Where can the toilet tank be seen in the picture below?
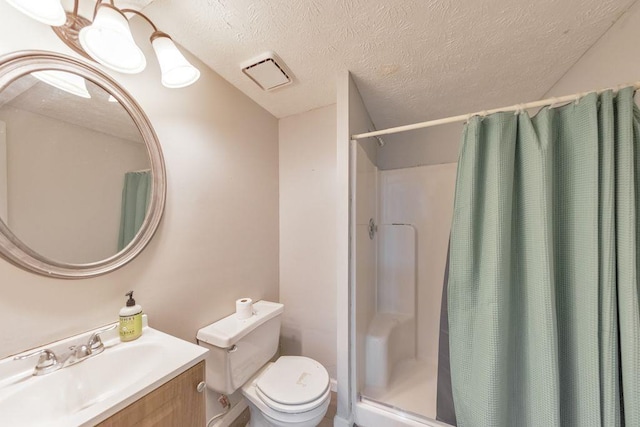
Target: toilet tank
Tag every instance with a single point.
(239, 348)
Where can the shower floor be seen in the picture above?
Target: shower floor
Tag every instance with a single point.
(412, 388)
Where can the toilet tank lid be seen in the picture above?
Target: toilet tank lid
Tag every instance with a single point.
(228, 331)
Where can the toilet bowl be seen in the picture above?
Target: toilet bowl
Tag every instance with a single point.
(293, 391)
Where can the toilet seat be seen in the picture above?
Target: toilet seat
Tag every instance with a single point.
(294, 409)
(277, 418)
(306, 414)
(293, 384)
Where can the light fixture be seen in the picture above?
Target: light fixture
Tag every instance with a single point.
(176, 71)
(108, 40)
(68, 82)
(48, 12)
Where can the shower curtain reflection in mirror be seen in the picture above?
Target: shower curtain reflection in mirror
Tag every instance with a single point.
(135, 200)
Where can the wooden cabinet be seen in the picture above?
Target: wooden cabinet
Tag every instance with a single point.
(175, 403)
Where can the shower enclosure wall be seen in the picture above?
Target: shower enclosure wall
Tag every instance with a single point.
(401, 221)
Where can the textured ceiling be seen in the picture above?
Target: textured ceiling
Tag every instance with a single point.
(412, 60)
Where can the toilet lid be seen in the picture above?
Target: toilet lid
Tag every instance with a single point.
(294, 380)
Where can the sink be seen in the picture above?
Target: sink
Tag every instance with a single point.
(96, 388)
(39, 400)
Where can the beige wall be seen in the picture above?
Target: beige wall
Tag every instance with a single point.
(430, 146)
(218, 239)
(307, 235)
(65, 185)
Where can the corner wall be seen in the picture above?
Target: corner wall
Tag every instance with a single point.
(352, 117)
(307, 168)
(218, 239)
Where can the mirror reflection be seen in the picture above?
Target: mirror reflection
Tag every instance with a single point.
(74, 169)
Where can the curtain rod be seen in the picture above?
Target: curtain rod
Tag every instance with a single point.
(465, 117)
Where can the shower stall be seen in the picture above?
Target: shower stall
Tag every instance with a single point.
(391, 268)
(400, 221)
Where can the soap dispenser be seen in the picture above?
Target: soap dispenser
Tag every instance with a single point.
(130, 319)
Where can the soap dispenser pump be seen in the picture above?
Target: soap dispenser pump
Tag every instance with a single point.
(130, 319)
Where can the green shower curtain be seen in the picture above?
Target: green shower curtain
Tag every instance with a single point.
(135, 199)
(544, 311)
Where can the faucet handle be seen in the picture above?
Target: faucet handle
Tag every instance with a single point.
(81, 351)
(95, 344)
(47, 362)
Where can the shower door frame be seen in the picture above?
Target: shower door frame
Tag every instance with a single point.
(350, 408)
(366, 412)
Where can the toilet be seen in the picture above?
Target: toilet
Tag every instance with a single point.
(292, 391)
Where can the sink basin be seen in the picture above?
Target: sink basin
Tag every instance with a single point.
(96, 388)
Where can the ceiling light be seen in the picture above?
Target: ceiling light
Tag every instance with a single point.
(68, 82)
(48, 12)
(108, 40)
(176, 71)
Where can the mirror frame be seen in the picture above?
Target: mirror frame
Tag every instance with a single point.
(17, 64)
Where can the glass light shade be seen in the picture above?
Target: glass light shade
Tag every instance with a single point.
(68, 82)
(112, 99)
(108, 40)
(176, 70)
(48, 12)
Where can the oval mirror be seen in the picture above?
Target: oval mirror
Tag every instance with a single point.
(82, 177)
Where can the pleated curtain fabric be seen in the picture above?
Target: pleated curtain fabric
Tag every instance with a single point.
(544, 316)
(135, 200)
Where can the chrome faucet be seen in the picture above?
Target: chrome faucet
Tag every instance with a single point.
(48, 361)
(76, 354)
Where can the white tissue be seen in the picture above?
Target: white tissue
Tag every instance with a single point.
(244, 308)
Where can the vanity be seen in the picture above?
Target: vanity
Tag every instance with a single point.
(177, 402)
(155, 380)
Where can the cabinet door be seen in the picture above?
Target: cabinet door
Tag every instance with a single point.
(175, 403)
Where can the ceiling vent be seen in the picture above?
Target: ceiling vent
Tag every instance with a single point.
(267, 71)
